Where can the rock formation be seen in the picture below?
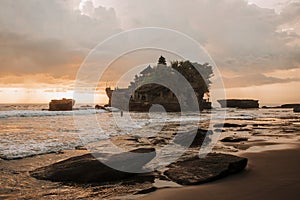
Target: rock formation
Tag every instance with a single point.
(190, 170)
(193, 139)
(166, 86)
(197, 170)
(88, 169)
(297, 109)
(61, 105)
(234, 139)
(239, 103)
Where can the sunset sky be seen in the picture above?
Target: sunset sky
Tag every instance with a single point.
(254, 43)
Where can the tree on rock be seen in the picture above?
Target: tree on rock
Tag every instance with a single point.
(162, 61)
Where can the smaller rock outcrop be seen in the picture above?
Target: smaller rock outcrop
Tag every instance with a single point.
(290, 105)
(190, 170)
(98, 107)
(234, 139)
(197, 170)
(297, 109)
(229, 125)
(239, 103)
(61, 105)
(88, 169)
(193, 138)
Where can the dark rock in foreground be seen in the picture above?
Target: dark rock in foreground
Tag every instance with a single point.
(87, 169)
(190, 170)
(234, 139)
(297, 109)
(197, 170)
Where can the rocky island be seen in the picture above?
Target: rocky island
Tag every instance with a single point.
(61, 105)
(162, 85)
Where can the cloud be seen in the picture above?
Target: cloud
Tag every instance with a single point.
(52, 38)
(49, 37)
(241, 38)
(57, 19)
(34, 81)
(291, 13)
(255, 80)
(23, 55)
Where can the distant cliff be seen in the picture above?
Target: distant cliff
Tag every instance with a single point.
(290, 105)
(239, 103)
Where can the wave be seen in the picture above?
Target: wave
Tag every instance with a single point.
(37, 113)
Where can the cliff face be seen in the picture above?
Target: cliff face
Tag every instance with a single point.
(239, 103)
(61, 105)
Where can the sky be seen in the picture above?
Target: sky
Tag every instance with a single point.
(255, 44)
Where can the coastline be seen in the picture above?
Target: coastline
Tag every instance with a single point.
(258, 136)
(271, 174)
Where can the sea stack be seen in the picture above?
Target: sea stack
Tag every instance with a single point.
(297, 109)
(61, 105)
(239, 103)
(153, 86)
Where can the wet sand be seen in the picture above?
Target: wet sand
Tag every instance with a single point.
(269, 175)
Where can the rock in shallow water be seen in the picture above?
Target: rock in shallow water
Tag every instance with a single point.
(297, 109)
(197, 170)
(234, 139)
(193, 138)
(193, 170)
(87, 169)
(229, 125)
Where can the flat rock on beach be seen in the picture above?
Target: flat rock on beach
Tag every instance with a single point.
(188, 171)
(197, 170)
(88, 169)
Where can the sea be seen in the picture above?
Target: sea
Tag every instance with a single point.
(30, 129)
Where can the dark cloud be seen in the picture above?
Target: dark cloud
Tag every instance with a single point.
(23, 55)
(50, 37)
(57, 19)
(231, 30)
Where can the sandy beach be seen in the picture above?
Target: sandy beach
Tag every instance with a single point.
(269, 175)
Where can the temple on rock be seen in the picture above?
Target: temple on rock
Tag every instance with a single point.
(176, 87)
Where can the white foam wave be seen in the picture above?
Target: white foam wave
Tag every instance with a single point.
(37, 113)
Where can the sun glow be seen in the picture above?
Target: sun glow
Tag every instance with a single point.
(44, 95)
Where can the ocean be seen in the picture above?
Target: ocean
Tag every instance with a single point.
(32, 138)
(28, 130)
